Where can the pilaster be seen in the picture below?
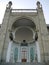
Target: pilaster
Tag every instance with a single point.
(4, 30)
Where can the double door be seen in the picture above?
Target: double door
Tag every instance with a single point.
(24, 53)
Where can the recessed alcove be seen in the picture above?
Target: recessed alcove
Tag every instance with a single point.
(24, 29)
(24, 34)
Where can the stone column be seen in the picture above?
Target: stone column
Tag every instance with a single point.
(37, 47)
(9, 51)
(9, 47)
(38, 52)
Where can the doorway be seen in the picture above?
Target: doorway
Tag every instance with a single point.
(24, 54)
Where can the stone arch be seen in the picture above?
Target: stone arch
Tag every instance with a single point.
(24, 22)
(19, 22)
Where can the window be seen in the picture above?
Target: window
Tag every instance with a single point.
(15, 54)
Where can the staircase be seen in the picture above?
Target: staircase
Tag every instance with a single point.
(24, 63)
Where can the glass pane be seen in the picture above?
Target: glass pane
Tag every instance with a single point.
(31, 54)
(16, 54)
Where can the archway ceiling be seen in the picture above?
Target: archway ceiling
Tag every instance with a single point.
(23, 34)
(23, 22)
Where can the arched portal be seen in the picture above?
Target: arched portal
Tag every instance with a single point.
(23, 47)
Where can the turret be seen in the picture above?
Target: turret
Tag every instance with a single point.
(39, 5)
(9, 5)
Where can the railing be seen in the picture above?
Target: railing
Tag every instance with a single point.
(24, 10)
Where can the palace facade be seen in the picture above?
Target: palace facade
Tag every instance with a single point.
(24, 35)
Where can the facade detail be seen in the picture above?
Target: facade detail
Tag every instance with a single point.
(24, 35)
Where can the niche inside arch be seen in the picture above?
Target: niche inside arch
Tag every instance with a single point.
(24, 34)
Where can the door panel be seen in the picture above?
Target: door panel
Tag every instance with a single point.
(24, 54)
(15, 54)
(31, 54)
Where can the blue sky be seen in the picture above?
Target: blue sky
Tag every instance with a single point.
(25, 4)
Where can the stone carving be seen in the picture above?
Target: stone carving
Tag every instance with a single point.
(11, 36)
(36, 36)
(9, 5)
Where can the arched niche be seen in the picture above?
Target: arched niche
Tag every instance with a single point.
(24, 33)
(23, 29)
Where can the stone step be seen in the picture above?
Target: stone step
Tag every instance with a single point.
(24, 63)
